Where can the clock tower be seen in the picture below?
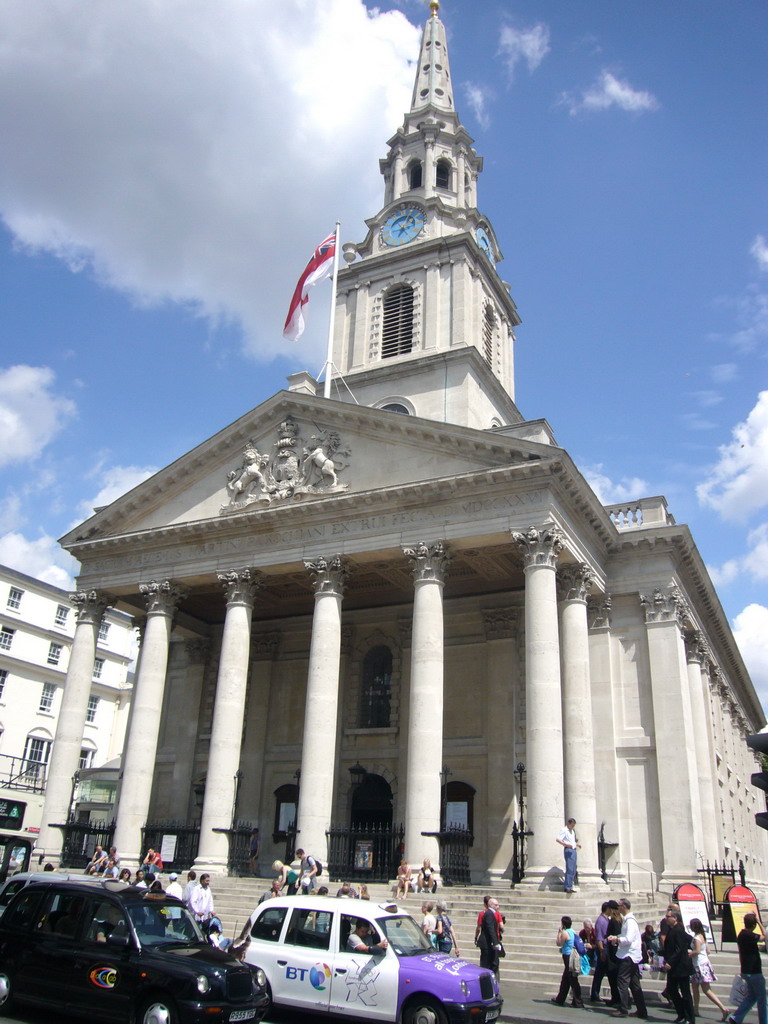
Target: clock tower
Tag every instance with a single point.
(424, 323)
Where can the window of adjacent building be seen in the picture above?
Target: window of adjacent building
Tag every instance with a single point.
(443, 173)
(60, 618)
(376, 688)
(93, 706)
(489, 333)
(54, 653)
(98, 668)
(3, 680)
(14, 598)
(46, 697)
(6, 638)
(414, 174)
(396, 407)
(103, 631)
(86, 758)
(37, 749)
(397, 332)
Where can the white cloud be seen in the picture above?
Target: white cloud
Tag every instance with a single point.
(197, 152)
(753, 564)
(726, 573)
(738, 484)
(528, 44)
(609, 91)
(610, 492)
(30, 413)
(41, 558)
(694, 421)
(707, 398)
(117, 480)
(478, 97)
(760, 251)
(750, 628)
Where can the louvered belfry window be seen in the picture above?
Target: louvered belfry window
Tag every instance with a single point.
(397, 335)
(489, 328)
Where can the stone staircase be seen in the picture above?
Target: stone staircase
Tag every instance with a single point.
(532, 920)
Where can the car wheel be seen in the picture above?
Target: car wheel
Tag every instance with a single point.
(7, 998)
(158, 1010)
(425, 1011)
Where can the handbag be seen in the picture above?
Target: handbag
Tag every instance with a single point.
(739, 989)
(574, 961)
(502, 951)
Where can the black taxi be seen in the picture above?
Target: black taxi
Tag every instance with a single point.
(109, 950)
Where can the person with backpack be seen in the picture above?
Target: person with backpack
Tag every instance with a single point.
(310, 869)
(569, 941)
(446, 937)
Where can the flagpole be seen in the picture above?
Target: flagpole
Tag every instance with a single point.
(332, 318)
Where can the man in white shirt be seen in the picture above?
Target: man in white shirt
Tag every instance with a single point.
(201, 901)
(174, 889)
(629, 953)
(566, 837)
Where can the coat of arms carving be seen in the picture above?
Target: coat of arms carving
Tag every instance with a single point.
(293, 471)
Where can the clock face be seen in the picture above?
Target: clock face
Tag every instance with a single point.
(403, 226)
(484, 242)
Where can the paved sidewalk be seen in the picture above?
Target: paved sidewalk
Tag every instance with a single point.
(527, 1003)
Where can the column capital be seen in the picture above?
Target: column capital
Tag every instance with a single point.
(241, 585)
(540, 546)
(329, 575)
(162, 597)
(695, 647)
(665, 606)
(574, 581)
(500, 623)
(197, 651)
(599, 611)
(428, 561)
(90, 605)
(264, 646)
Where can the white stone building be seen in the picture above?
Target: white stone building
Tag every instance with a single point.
(37, 625)
(420, 581)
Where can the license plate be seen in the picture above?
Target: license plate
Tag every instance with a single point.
(491, 1015)
(242, 1015)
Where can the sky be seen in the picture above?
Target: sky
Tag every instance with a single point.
(169, 166)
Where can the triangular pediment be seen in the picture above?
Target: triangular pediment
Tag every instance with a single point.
(296, 448)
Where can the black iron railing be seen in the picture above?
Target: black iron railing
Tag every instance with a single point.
(365, 853)
(179, 854)
(239, 839)
(81, 838)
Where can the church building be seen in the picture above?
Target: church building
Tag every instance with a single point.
(404, 604)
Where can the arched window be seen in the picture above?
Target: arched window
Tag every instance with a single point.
(286, 803)
(489, 333)
(459, 806)
(414, 174)
(443, 173)
(376, 689)
(397, 332)
(396, 407)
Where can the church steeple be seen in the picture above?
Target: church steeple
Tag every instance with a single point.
(433, 86)
(424, 323)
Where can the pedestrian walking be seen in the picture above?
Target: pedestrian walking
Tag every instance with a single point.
(703, 972)
(629, 953)
(567, 940)
(750, 944)
(679, 967)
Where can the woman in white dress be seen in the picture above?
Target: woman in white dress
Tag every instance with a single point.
(703, 975)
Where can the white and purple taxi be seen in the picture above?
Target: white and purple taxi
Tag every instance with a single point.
(310, 950)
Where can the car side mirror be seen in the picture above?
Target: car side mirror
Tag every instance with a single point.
(121, 940)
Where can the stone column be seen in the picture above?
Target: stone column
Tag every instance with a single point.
(543, 696)
(502, 628)
(574, 583)
(679, 810)
(321, 712)
(65, 755)
(396, 187)
(425, 720)
(428, 181)
(696, 654)
(138, 765)
(240, 588)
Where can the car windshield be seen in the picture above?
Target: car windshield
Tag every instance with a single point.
(158, 924)
(404, 936)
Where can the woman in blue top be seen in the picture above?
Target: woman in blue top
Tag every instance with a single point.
(566, 939)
